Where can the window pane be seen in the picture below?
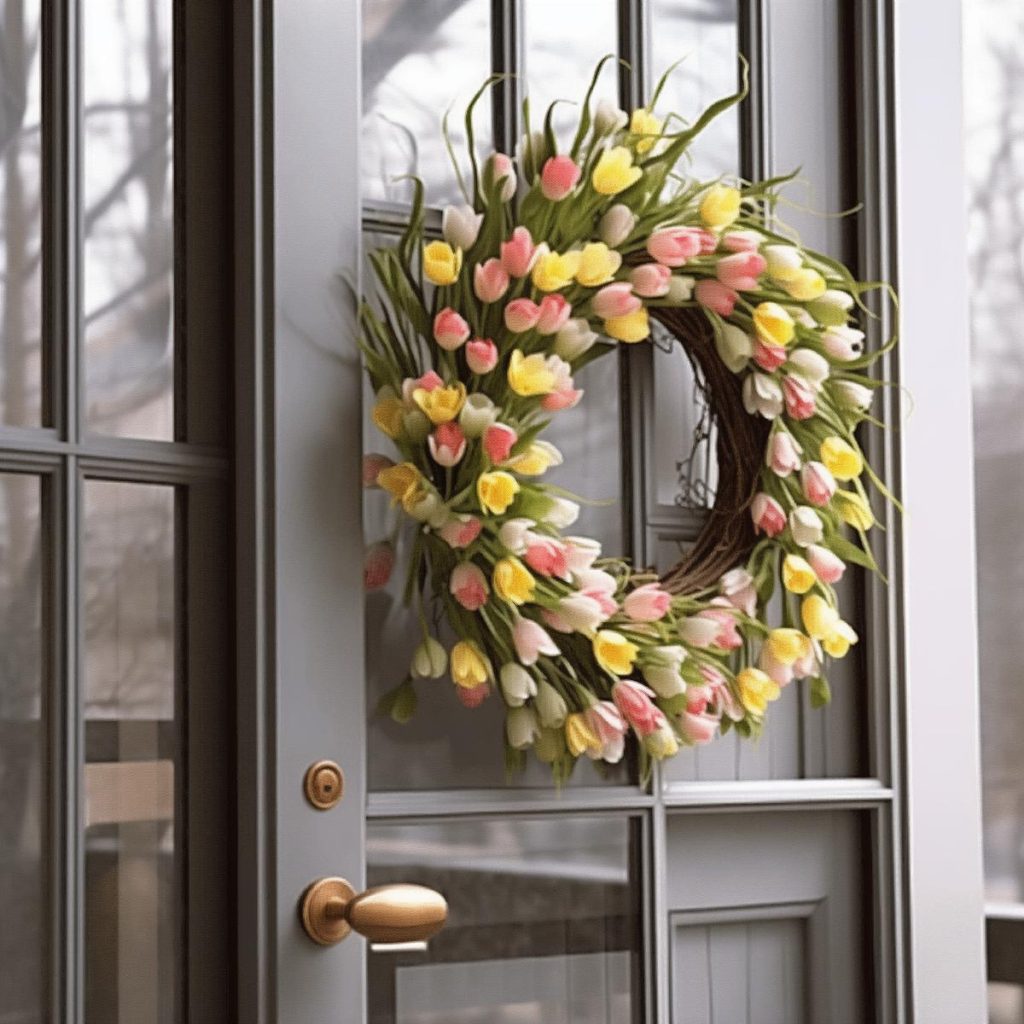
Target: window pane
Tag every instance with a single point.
(128, 217)
(418, 60)
(21, 376)
(544, 922)
(132, 898)
(23, 810)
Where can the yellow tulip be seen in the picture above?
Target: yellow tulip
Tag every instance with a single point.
(579, 737)
(401, 480)
(614, 653)
(773, 324)
(470, 668)
(756, 690)
(819, 617)
(537, 459)
(496, 491)
(797, 575)
(513, 582)
(853, 510)
(787, 645)
(442, 263)
(615, 172)
(598, 265)
(387, 417)
(838, 642)
(643, 122)
(806, 285)
(630, 328)
(441, 405)
(554, 270)
(842, 460)
(661, 743)
(720, 207)
(530, 375)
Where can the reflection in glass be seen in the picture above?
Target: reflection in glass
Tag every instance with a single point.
(419, 59)
(21, 373)
(993, 98)
(704, 32)
(132, 898)
(23, 854)
(544, 923)
(128, 217)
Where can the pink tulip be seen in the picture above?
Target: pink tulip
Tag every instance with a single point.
(558, 177)
(450, 329)
(715, 296)
(698, 729)
(651, 280)
(807, 666)
(521, 315)
(607, 724)
(768, 357)
(473, 697)
(460, 531)
(499, 167)
(818, 483)
(554, 314)
(727, 638)
(490, 280)
(767, 515)
(481, 355)
(737, 587)
(519, 253)
(498, 441)
(776, 670)
(827, 566)
(547, 556)
(616, 299)
(799, 396)
(741, 271)
(708, 241)
(531, 640)
(373, 463)
(447, 444)
(634, 702)
(600, 586)
(429, 381)
(783, 455)
(647, 603)
(565, 396)
(468, 586)
(377, 565)
(722, 701)
(674, 246)
(741, 241)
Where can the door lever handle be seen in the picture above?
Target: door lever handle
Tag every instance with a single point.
(390, 916)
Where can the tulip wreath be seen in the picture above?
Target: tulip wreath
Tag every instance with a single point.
(472, 344)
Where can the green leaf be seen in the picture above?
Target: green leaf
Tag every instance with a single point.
(399, 704)
(821, 693)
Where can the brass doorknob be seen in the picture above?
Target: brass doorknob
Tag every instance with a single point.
(387, 915)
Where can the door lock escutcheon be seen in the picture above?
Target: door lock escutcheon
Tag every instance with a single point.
(324, 785)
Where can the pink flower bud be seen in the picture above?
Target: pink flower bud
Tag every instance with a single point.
(547, 556)
(647, 603)
(767, 515)
(429, 381)
(741, 241)
(531, 640)
(518, 253)
(498, 442)
(490, 280)
(460, 531)
(481, 355)
(521, 315)
(708, 241)
(373, 463)
(827, 566)
(768, 357)
(674, 246)
(651, 280)
(634, 702)
(450, 329)
(607, 724)
(473, 697)
(715, 296)
(554, 314)
(818, 483)
(799, 396)
(447, 444)
(377, 565)
(615, 300)
(843, 343)
(727, 637)
(565, 396)
(783, 455)
(558, 177)
(741, 270)
(737, 587)
(468, 586)
(698, 729)
(499, 167)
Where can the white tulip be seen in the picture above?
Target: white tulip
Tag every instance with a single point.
(735, 346)
(609, 118)
(514, 533)
(851, 395)
(579, 613)
(561, 513)
(660, 669)
(698, 632)
(680, 288)
(517, 684)
(783, 261)
(460, 225)
(831, 308)
(582, 553)
(429, 660)
(762, 395)
(843, 343)
(805, 525)
(551, 706)
(478, 413)
(809, 365)
(430, 509)
(521, 728)
(616, 225)
(574, 339)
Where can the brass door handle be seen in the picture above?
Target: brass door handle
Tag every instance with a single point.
(392, 916)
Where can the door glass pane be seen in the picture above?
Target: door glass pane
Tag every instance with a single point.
(128, 217)
(21, 374)
(994, 151)
(132, 895)
(419, 59)
(23, 811)
(544, 923)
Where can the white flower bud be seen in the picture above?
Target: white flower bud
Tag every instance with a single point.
(478, 413)
(851, 395)
(429, 660)
(616, 225)
(609, 118)
(460, 226)
(517, 685)
(680, 288)
(574, 339)
(805, 525)
(734, 346)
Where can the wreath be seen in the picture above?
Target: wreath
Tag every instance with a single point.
(472, 342)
